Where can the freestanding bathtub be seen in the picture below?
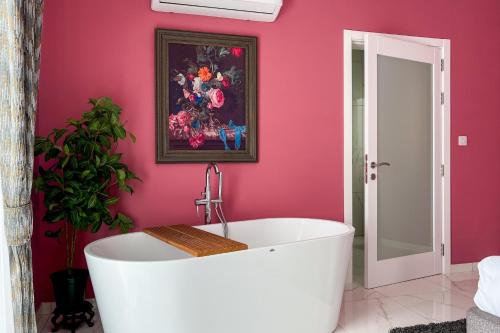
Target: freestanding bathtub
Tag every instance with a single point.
(290, 280)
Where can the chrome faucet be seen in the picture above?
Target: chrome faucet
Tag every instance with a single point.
(207, 200)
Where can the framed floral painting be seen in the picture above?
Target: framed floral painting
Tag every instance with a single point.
(206, 89)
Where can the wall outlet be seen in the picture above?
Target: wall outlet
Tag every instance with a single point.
(462, 140)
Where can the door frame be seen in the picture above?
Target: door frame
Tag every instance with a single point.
(355, 40)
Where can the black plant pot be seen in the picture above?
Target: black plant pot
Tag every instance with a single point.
(69, 288)
(69, 291)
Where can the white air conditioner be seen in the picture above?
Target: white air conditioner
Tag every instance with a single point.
(253, 10)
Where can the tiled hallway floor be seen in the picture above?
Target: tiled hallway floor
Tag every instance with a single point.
(433, 299)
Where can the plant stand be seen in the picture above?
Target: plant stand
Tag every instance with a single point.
(71, 320)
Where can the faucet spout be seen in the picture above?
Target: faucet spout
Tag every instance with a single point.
(207, 199)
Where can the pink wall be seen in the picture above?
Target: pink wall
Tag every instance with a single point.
(95, 48)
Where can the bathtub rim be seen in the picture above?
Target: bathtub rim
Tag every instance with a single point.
(349, 230)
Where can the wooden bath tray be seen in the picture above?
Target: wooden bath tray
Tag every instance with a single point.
(196, 242)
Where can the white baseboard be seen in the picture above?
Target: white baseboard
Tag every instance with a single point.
(468, 267)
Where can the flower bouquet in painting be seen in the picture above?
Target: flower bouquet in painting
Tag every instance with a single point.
(207, 97)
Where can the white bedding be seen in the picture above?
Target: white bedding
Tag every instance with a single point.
(488, 291)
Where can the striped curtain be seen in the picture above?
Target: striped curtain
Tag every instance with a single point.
(20, 32)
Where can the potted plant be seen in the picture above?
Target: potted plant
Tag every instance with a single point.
(81, 178)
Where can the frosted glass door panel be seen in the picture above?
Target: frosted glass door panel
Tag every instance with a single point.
(404, 133)
(404, 136)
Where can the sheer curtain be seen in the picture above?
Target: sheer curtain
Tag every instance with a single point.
(6, 316)
(20, 37)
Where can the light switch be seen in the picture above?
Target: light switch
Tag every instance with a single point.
(462, 140)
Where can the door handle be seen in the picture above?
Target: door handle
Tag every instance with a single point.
(374, 165)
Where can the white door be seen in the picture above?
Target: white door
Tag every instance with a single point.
(402, 160)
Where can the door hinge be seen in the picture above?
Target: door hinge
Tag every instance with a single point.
(442, 98)
(442, 249)
(442, 65)
(442, 170)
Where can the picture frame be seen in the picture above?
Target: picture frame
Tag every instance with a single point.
(206, 97)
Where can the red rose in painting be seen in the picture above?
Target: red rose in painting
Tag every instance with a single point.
(190, 76)
(172, 120)
(197, 140)
(237, 51)
(184, 118)
(216, 97)
(225, 82)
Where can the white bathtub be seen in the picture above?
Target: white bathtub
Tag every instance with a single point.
(290, 280)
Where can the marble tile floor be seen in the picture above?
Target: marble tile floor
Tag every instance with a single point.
(432, 299)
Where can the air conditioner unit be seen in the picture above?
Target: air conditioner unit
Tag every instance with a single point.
(253, 10)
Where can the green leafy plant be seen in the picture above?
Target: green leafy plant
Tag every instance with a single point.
(84, 174)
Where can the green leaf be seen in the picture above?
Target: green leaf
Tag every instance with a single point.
(74, 122)
(38, 183)
(74, 162)
(127, 188)
(115, 158)
(105, 101)
(52, 153)
(123, 222)
(119, 132)
(65, 161)
(92, 201)
(132, 137)
(111, 201)
(58, 133)
(94, 126)
(85, 173)
(114, 119)
(104, 159)
(54, 216)
(96, 226)
(41, 171)
(121, 175)
(42, 145)
(74, 217)
(104, 141)
(131, 175)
